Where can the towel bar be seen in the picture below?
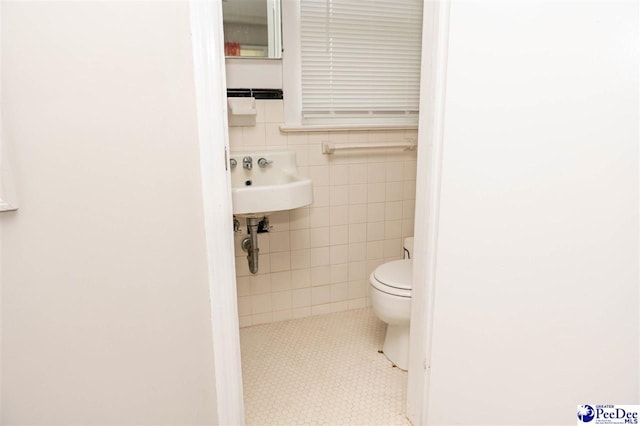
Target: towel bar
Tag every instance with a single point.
(330, 148)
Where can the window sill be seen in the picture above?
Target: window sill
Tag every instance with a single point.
(293, 128)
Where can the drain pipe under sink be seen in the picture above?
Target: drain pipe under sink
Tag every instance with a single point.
(250, 244)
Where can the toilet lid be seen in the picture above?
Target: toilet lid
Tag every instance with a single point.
(397, 274)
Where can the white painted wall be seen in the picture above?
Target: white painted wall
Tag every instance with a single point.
(536, 300)
(250, 73)
(105, 308)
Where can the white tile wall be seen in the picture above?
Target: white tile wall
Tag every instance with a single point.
(317, 259)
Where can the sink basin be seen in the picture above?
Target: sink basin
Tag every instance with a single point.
(274, 187)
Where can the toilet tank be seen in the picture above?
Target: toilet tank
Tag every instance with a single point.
(408, 248)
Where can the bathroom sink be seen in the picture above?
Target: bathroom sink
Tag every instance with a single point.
(267, 181)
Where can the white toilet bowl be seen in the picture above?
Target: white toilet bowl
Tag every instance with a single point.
(390, 292)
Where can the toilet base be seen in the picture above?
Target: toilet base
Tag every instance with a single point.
(396, 345)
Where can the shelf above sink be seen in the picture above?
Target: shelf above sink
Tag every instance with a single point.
(276, 186)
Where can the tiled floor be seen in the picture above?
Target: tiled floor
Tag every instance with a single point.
(321, 370)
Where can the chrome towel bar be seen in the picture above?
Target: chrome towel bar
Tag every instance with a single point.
(330, 148)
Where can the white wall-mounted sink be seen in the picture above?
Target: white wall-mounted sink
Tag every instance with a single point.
(274, 187)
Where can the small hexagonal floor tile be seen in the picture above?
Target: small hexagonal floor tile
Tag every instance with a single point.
(323, 369)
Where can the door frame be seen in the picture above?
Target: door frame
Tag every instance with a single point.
(211, 100)
(210, 83)
(435, 45)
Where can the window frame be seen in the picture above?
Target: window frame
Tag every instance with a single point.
(292, 81)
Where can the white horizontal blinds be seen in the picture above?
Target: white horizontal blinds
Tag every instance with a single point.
(360, 61)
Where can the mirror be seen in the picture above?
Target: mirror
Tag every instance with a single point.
(252, 28)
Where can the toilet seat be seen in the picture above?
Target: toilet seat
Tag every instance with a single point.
(394, 278)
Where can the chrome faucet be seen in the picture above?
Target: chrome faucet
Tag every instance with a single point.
(263, 162)
(247, 163)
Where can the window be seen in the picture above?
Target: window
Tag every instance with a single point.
(360, 61)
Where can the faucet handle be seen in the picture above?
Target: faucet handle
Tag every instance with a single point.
(263, 162)
(233, 162)
(247, 162)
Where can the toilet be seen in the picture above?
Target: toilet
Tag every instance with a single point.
(390, 293)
